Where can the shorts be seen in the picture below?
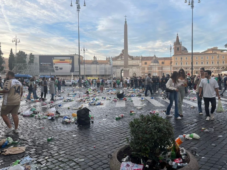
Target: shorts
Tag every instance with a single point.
(13, 109)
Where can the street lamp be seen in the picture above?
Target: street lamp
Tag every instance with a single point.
(78, 10)
(191, 3)
(16, 41)
(84, 50)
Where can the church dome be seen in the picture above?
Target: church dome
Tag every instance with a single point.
(184, 49)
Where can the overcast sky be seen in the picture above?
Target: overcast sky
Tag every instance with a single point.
(50, 26)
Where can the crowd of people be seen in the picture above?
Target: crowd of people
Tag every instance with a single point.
(176, 86)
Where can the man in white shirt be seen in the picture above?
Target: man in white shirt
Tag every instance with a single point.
(209, 87)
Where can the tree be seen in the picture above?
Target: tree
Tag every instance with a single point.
(225, 45)
(31, 58)
(1, 61)
(21, 61)
(11, 60)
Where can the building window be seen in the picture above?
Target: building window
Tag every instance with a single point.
(207, 57)
(201, 62)
(223, 62)
(218, 56)
(196, 72)
(186, 58)
(186, 63)
(212, 62)
(162, 62)
(176, 58)
(176, 64)
(217, 62)
(181, 63)
(201, 58)
(207, 62)
(196, 58)
(177, 48)
(212, 58)
(145, 63)
(223, 57)
(196, 63)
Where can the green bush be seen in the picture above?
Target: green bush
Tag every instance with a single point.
(150, 135)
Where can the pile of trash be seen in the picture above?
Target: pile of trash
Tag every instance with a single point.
(25, 163)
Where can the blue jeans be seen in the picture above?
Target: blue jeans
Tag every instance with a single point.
(199, 102)
(148, 87)
(173, 97)
(34, 94)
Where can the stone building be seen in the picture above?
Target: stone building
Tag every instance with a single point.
(213, 59)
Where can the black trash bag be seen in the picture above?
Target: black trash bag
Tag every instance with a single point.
(120, 95)
(83, 116)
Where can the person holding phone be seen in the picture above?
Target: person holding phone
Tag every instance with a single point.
(171, 86)
(182, 83)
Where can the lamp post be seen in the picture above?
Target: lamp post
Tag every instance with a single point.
(170, 50)
(78, 10)
(16, 41)
(84, 50)
(191, 3)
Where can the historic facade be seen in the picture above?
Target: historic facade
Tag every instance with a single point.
(213, 59)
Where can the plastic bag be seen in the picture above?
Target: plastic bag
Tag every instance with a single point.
(16, 167)
(220, 108)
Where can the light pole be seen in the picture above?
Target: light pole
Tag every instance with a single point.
(78, 10)
(84, 50)
(170, 50)
(16, 41)
(191, 2)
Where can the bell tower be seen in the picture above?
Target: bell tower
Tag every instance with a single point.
(177, 46)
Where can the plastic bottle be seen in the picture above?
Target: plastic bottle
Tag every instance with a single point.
(49, 139)
(194, 136)
(5, 144)
(16, 162)
(180, 139)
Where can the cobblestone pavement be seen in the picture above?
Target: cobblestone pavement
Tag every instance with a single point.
(87, 148)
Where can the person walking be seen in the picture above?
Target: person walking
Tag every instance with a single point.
(56, 85)
(219, 81)
(182, 83)
(225, 85)
(171, 87)
(59, 85)
(198, 79)
(128, 82)
(13, 91)
(43, 88)
(52, 88)
(32, 89)
(208, 89)
(148, 84)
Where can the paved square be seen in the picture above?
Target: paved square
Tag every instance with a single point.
(87, 148)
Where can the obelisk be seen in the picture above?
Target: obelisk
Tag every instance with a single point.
(126, 69)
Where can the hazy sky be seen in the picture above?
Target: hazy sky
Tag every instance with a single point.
(50, 26)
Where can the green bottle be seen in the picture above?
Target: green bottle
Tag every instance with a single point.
(49, 139)
(16, 162)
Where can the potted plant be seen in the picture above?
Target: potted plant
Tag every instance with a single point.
(151, 143)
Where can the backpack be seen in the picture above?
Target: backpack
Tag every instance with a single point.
(83, 116)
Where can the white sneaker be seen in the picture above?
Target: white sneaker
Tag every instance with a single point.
(208, 118)
(9, 130)
(211, 116)
(16, 131)
(178, 118)
(169, 116)
(200, 113)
